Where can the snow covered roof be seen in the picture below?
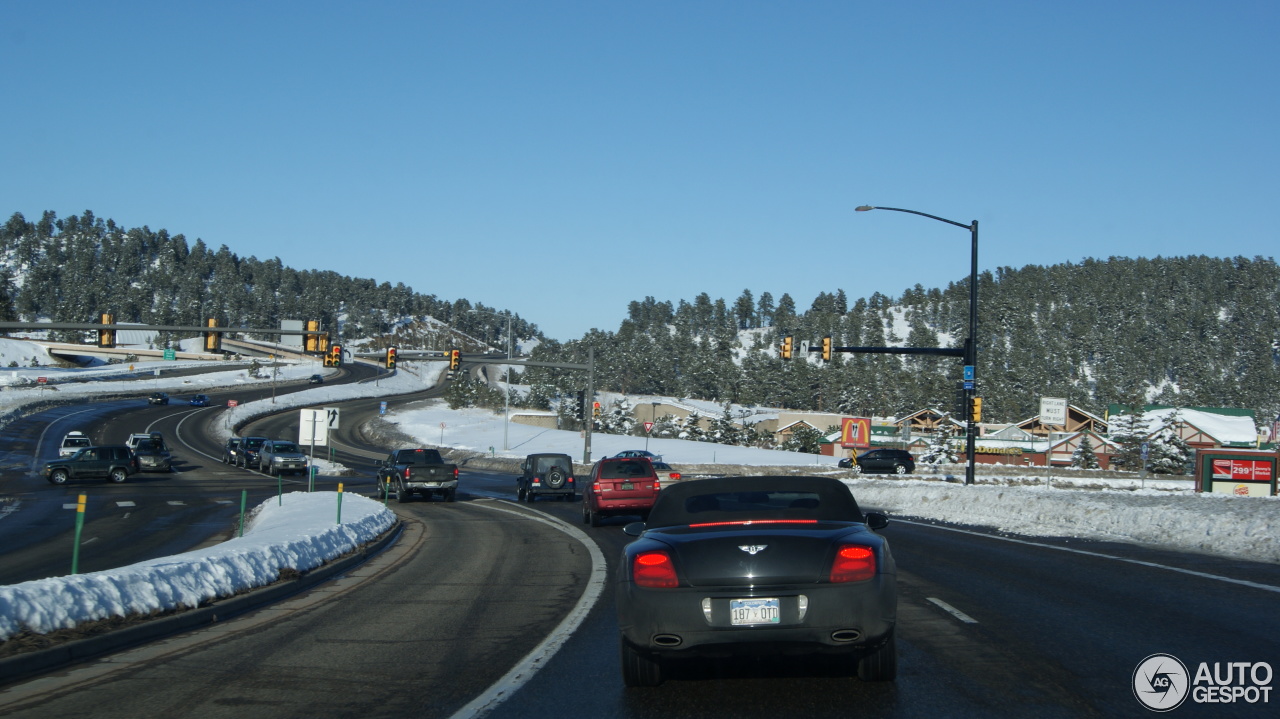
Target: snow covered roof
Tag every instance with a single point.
(1228, 429)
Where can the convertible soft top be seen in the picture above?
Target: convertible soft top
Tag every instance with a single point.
(737, 499)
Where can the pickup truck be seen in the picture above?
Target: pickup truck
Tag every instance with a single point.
(421, 471)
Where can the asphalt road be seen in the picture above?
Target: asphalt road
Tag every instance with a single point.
(989, 626)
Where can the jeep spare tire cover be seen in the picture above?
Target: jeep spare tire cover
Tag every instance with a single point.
(555, 478)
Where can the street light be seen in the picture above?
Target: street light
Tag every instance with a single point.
(971, 344)
(506, 390)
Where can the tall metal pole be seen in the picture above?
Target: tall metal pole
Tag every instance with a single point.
(971, 357)
(506, 389)
(590, 403)
(971, 344)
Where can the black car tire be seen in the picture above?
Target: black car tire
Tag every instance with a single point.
(402, 495)
(118, 475)
(882, 664)
(555, 478)
(58, 476)
(520, 494)
(451, 495)
(594, 517)
(639, 670)
(586, 516)
(899, 469)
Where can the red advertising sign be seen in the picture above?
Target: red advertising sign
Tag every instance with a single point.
(232, 403)
(42, 380)
(1242, 470)
(855, 432)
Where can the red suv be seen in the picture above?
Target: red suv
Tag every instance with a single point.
(619, 486)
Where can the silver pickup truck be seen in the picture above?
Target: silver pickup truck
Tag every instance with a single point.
(418, 471)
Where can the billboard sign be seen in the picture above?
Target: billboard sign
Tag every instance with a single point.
(855, 432)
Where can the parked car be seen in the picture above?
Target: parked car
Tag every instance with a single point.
(113, 462)
(153, 456)
(73, 442)
(231, 451)
(748, 566)
(548, 474)
(619, 486)
(280, 456)
(896, 461)
(247, 457)
(315, 379)
(199, 400)
(666, 473)
(639, 453)
(158, 398)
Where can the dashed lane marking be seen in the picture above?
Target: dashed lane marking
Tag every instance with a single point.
(953, 611)
(125, 503)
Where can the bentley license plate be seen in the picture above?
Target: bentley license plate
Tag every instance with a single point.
(754, 611)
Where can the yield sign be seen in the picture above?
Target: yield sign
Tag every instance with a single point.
(648, 426)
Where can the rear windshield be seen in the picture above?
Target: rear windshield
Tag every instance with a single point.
(150, 446)
(545, 464)
(75, 442)
(626, 469)
(732, 499)
(418, 456)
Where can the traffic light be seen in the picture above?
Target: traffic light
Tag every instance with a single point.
(322, 344)
(826, 349)
(975, 409)
(454, 359)
(391, 358)
(582, 405)
(107, 338)
(335, 355)
(312, 342)
(787, 344)
(212, 340)
(595, 410)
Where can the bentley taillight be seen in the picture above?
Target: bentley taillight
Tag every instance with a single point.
(655, 570)
(853, 563)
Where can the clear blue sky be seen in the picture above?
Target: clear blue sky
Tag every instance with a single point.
(565, 158)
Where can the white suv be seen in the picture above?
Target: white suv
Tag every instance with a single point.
(72, 443)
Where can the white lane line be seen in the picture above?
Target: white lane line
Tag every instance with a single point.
(526, 668)
(1100, 555)
(73, 505)
(125, 503)
(176, 502)
(90, 539)
(223, 501)
(953, 611)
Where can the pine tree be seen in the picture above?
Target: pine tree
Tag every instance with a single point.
(1084, 456)
(1168, 452)
(1130, 432)
(941, 449)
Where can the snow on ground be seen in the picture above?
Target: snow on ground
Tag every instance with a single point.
(303, 533)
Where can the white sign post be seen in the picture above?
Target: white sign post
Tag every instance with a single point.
(1053, 410)
(313, 429)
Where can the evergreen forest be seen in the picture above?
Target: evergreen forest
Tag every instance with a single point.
(1188, 331)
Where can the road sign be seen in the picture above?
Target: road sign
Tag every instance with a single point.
(233, 403)
(170, 355)
(648, 426)
(313, 427)
(382, 408)
(968, 384)
(969, 375)
(42, 380)
(332, 417)
(1053, 410)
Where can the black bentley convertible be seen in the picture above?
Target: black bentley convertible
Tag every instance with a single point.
(748, 566)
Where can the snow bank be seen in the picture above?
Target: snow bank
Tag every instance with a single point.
(301, 534)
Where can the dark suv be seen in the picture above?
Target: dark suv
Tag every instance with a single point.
(546, 474)
(250, 447)
(895, 461)
(115, 463)
(158, 398)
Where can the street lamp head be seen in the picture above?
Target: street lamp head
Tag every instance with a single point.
(863, 208)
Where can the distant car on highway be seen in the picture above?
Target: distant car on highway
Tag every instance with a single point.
(315, 379)
(894, 461)
(73, 442)
(748, 566)
(247, 457)
(666, 473)
(158, 398)
(546, 474)
(640, 453)
(153, 456)
(231, 451)
(199, 400)
(280, 456)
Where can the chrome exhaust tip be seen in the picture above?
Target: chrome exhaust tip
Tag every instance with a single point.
(667, 640)
(846, 635)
